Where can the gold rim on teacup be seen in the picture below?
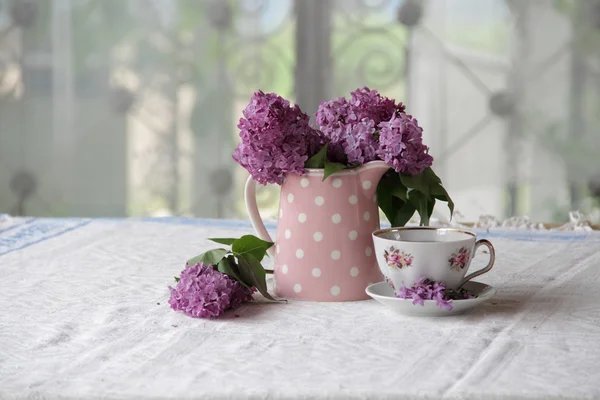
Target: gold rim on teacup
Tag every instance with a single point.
(380, 232)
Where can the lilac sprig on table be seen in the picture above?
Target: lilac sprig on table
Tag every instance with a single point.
(426, 289)
(204, 292)
(221, 279)
(277, 140)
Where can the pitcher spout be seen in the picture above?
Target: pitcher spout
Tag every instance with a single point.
(370, 174)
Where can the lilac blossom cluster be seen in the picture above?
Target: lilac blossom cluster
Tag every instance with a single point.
(401, 145)
(426, 289)
(276, 139)
(351, 127)
(204, 292)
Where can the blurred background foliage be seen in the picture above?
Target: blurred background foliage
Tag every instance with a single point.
(130, 107)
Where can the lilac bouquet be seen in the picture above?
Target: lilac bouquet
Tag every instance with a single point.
(277, 140)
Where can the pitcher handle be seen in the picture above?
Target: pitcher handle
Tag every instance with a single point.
(486, 243)
(254, 213)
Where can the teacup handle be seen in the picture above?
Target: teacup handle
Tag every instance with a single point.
(254, 214)
(488, 244)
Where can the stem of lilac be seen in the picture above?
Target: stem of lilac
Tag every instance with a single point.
(269, 271)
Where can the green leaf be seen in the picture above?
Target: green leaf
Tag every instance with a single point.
(419, 200)
(392, 185)
(225, 241)
(318, 160)
(440, 193)
(176, 278)
(417, 182)
(228, 266)
(403, 214)
(211, 257)
(332, 168)
(431, 177)
(437, 190)
(430, 205)
(249, 244)
(252, 273)
(392, 199)
(387, 202)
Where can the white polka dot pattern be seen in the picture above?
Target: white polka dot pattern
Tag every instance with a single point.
(324, 238)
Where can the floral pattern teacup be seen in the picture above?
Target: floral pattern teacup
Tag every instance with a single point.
(460, 259)
(397, 259)
(405, 255)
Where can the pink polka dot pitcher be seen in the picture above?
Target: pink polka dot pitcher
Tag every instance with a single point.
(324, 250)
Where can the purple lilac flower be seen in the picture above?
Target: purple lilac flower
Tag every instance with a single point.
(443, 303)
(370, 104)
(336, 119)
(204, 292)
(426, 289)
(351, 127)
(276, 139)
(401, 145)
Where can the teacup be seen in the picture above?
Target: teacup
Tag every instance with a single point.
(408, 254)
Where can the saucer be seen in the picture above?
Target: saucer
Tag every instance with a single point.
(383, 293)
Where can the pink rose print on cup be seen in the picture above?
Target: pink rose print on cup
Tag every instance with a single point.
(397, 259)
(460, 259)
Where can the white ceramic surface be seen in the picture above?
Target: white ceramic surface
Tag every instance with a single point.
(384, 294)
(405, 255)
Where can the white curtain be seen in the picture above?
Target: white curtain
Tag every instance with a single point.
(129, 107)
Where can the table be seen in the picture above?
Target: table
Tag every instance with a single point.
(84, 315)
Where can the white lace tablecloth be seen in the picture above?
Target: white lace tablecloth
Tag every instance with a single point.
(84, 315)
